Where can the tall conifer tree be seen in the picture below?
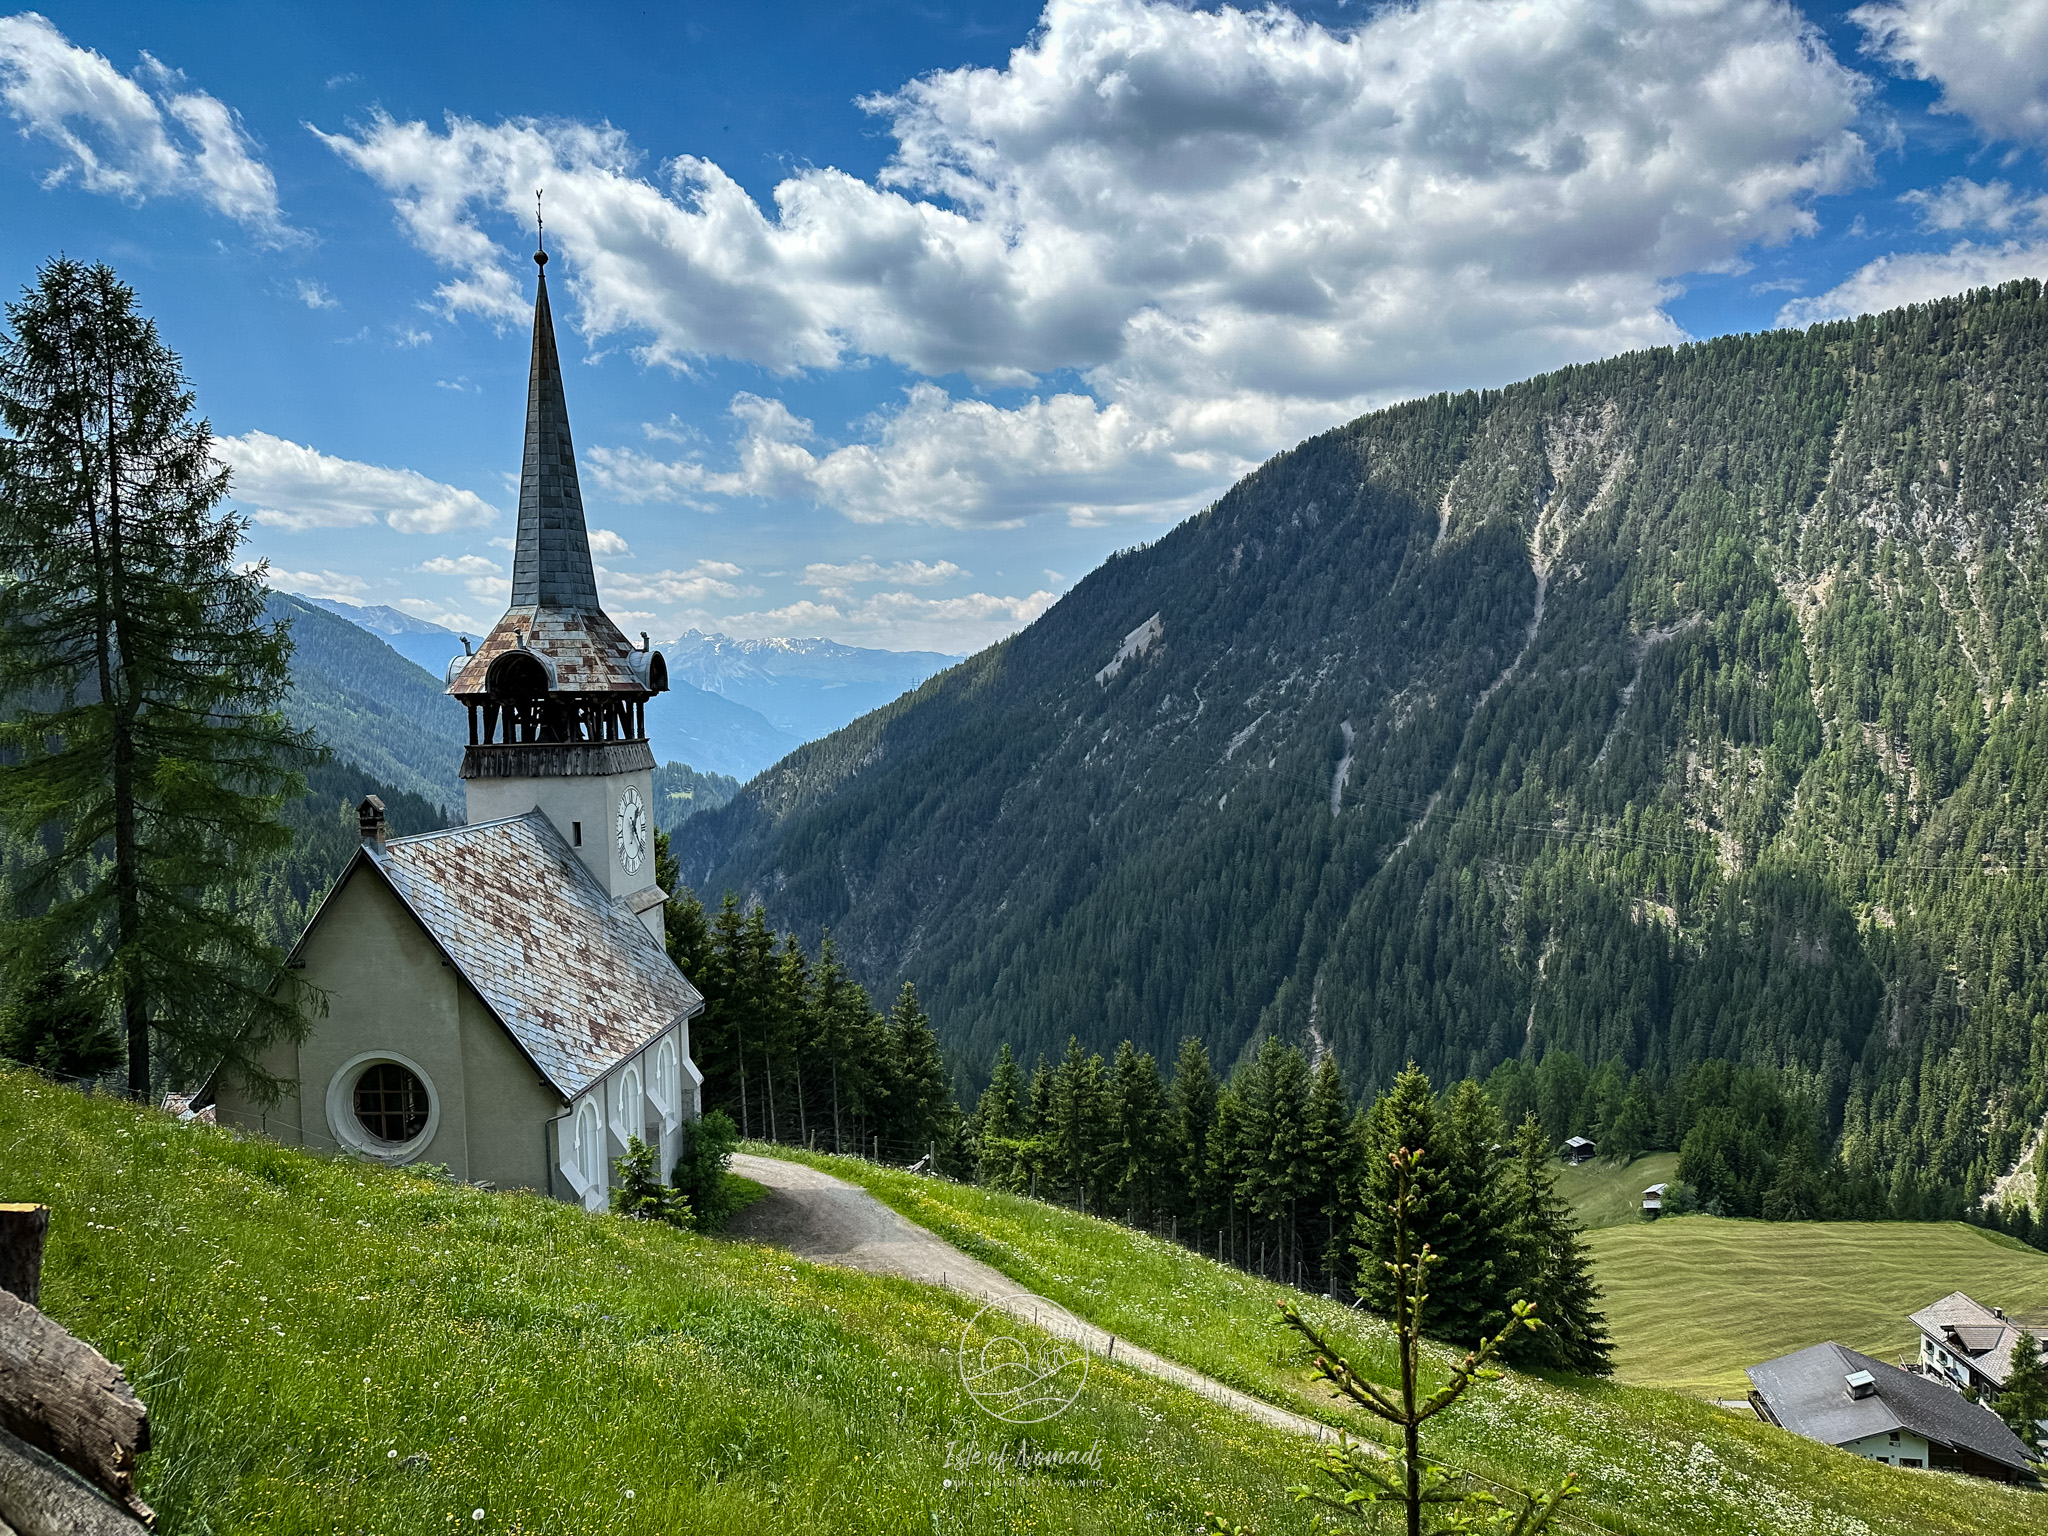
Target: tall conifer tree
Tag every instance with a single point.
(1556, 1273)
(144, 737)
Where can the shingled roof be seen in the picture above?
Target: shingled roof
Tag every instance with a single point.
(1808, 1393)
(573, 975)
(1968, 1328)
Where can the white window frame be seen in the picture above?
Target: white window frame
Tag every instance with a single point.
(348, 1131)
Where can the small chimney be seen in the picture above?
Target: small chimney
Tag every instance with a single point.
(370, 817)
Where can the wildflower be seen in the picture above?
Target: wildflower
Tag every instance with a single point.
(629, 1493)
(476, 1514)
(391, 1455)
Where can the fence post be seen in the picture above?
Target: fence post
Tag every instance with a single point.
(22, 1230)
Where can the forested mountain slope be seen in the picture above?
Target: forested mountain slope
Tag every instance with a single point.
(1686, 704)
(370, 704)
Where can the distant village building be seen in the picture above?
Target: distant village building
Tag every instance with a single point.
(1969, 1345)
(1578, 1150)
(1863, 1406)
(499, 997)
(1653, 1201)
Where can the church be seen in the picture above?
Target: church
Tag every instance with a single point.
(498, 997)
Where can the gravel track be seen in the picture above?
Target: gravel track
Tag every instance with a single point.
(818, 1217)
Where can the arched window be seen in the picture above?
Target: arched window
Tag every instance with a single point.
(632, 1112)
(590, 1145)
(664, 1086)
(517, 676)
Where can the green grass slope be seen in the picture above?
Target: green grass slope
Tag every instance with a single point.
(1608, 1194)
(1691, 1300)
(330, 1347)
(1652, 1461)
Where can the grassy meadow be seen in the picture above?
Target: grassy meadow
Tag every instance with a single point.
(327, 1346)
(1691, 1300)
(1610, 1194)
(1653, 1461)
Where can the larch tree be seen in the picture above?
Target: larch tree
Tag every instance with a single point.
(145, 750)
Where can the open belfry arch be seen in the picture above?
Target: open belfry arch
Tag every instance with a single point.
(499, 996)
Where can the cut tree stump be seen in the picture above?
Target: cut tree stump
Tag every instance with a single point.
(22, 1230)
(40, 1497)
(62, 1396)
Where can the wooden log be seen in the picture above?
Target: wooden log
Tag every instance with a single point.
(40, 1497)
(22, 1230)
(61, 1395)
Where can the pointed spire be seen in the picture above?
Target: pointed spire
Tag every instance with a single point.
(551, 551)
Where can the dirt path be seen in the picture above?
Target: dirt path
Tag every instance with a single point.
(831, 1221)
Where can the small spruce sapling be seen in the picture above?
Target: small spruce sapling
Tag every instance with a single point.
(640, 1194)
(1436, 1500)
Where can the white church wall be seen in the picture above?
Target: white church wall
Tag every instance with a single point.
(389, 997)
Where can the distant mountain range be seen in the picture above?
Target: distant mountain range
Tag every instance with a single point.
(734, 706)
(807, 687)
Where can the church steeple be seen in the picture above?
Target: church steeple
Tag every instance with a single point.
(557, 697)
(551, 550)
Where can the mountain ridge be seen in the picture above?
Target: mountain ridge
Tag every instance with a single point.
(1678, 705)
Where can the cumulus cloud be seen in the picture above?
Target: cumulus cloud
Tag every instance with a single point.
(461, 565)
(289, 485)
(1231, 228)
(909, 573)
(704, 580)
(1961, 203)
(1914, 277)
(1990, 58)
(132, 136)
(898, 620)
(607, 543)
(316, 296)
(334, 584)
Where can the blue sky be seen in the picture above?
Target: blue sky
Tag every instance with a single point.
(887, 322)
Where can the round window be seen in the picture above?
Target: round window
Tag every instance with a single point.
(391, 1103)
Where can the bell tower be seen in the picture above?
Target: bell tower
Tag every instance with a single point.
(557, 697)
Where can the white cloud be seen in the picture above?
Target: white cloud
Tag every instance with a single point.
(461, 565)
(704, 580)
(1960, 203)
(896, 620)
(115, 131)
(316, 296)
(1990, 58)
(435, 613)
(1914, 277)
(1232, 228)
(335, 584)
(908, 573)
(289, 485)
(604, 542)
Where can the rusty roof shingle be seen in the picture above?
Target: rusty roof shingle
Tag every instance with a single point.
(576, 978)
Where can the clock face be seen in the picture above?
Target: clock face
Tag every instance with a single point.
(632, 830)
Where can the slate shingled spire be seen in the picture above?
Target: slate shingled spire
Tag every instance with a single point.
(551, 550)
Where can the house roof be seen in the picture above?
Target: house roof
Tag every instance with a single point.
(1968, 1328)
(1808, 1393)
(572, 974)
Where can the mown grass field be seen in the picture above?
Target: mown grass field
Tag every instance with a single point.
(330, 1347)
(1691, 1300)
(1652, 1461)
(1607, 1194)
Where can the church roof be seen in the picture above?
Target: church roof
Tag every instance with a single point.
(555, 613)
(573, 975)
